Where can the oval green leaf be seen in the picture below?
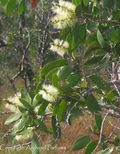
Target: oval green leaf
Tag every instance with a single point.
(81, 143)
(52, 65)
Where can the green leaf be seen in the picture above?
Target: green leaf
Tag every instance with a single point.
(92, 104)
(35, 146)
(42, 108)
(21, 7)
(79, 33)
(97, 80)
(106, 151)
(56, 127)
(76, 2)
(73, 79)
(26, 99)
(56, 109)
(78, 10)
(12, 118)
(10, 7)
(98, 120)
(64, 72)
(100, 39)
(62, 109)
(18, 126)
(50, 73)
(37, 99)
(64, 33)
(113, 35)
(25, 103)
(90, 147)
(86, 2)
(55, 80)
(111, 96)
(81, 143)
(52, 65)
(66, 89)
(38, 85)
(94, 60)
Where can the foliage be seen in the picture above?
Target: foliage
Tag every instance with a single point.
(76, 79)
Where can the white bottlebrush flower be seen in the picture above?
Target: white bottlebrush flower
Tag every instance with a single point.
(15, 99)
(49, 93)
(11, 107)
(50, 89)
(13, 102)
(64, 14)
(59, 46)
(65, 4)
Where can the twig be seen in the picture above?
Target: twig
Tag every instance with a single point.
(101, 131)
(85, 16)
(21, 64)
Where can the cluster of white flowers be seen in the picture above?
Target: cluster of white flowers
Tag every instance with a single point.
(64, 14)
(11, 107)
(59, 46)
(49, 93)
(26, 136)
(13, 102)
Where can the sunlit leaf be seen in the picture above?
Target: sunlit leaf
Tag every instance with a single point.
(81, 143)
(86, 2)
(52, 65)
(56, 127)
(10, 7)
(92, 104)
(98, 120)
(100, 39)
(90, 147)
(12, 118)
(35, 145)
(62, 109)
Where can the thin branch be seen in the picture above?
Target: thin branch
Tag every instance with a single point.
(101, 132)
(90, 18)
(21, 64)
